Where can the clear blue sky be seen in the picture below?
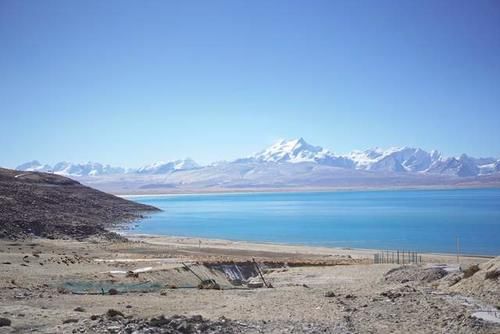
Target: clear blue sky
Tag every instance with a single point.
(132, 82)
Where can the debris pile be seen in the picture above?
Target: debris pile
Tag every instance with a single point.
(406, 274)
(115, 322)
(483, 284)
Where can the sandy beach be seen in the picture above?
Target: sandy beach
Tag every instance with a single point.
(59, 286)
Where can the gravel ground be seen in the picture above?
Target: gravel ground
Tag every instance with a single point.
(352, 297)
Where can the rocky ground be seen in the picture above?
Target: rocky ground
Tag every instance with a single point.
(57, 286)
(59, 207)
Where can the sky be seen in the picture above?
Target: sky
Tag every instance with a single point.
(133, 82)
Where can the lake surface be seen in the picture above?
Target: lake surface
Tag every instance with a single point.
(424, 220)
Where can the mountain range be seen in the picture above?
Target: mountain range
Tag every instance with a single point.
(289, 163)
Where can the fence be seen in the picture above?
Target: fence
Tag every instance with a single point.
(399, 257)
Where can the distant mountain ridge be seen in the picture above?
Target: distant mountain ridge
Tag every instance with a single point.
(71, 169)
(284, 158)
(97, 169)
(166, 167)
(395, 159)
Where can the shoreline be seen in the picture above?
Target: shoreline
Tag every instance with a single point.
(249, 191)
(275, 247)
(481, 252)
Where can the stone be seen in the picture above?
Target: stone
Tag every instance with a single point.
(330, 294)
(70, 320)
(4, 322)
(112, 313)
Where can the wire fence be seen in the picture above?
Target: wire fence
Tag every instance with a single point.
(397, 257)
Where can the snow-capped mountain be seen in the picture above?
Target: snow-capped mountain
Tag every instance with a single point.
(404, 159)
(97, 169)
(167, 167)
(416, 160)
(297, 151)
(463, 166)
(34, 166)
(71, 169)
(290, 163)
(392, 160)
(490, 168)
(85, 169)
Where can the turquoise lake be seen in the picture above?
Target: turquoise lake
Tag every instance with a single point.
(423, 220)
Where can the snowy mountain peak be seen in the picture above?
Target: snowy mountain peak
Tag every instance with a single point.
(185, 164)
(295, 150)
(394, 159)
(71, 169)
(167, 167)
(34, 166)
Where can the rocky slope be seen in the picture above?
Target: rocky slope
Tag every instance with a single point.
(53, 206)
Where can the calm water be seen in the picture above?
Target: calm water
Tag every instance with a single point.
(414, 220)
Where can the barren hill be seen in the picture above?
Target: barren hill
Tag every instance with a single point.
(53, 206)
